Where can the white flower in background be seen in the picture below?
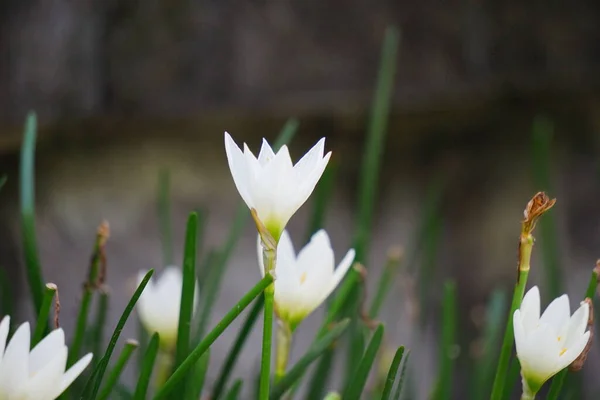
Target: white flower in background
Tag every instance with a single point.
(158, 306)
(550, 343)
(303, 282)
(38, 374)
(271, 184)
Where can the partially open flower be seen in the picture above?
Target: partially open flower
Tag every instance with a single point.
(550, 343)
(38, 374)
(303, 282)
(158, 306)
(271, 184)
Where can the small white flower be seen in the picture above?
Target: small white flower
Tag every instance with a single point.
(302, 283)
(271, 184)
(550, 343)
(38, 374)
(158, 306)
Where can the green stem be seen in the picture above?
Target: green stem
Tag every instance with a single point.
(525, 249)
(113, 376)
(164, 361)
(42, 320)
(213, 335)
(265, 362)
(284, 345)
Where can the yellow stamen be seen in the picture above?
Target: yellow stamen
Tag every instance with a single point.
(303, 277)
(563, 351)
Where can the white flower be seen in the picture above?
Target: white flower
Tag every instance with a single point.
(158, 306)
(38, 374)
(550, 343)
(271, 184)
(302, 283)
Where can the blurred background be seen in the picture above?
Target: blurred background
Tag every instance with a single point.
(492, 102)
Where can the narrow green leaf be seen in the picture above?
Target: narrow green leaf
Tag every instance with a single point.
(143, 339)
(94, 274)
(113, 376)
(318, 382)
(356, 386)
(33, 267)
(100, 323)
(7, 305)
(164, 215)
(236, 349)
(235, 390)
(484, 369)
(265, 360)
(147, 367)
(400, 385)
(213, 335)
(393, 374)
(543, 130)
(194, 387)
(449, 325)
(93, 384)
(385, 281)
(373, 154)
(187, 293)
(316, 350)
(42, 320)
(286, 134)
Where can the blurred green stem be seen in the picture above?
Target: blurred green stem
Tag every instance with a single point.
(114, 375)
(525, 248)
(164, 365)
(284, 345)
(42, 321)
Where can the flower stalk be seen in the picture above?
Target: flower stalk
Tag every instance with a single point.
(284, 345)
(537, 206)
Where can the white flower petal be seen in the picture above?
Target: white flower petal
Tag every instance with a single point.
(14, 369)
(343, 267)
(573, 352)
(266, 153)
(309, 161)
(577, 325)
(4, 327)
(557, 314)
(44, 385)
(73, 372)
(239, 169)
(530, 308)
(46, 350)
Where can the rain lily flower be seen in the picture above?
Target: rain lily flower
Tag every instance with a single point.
(271, 184)
(550, 343)
(158, 306)
(38, 374)
(303, 282)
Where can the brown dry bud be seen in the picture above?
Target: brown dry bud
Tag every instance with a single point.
(56, 305)
(103, 233)
(395, 253)
(577, 365)
(538, 205)
(364, 315)
(597, 269)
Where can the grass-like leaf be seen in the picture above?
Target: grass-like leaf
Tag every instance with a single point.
(400, 385)
(187, 293)
(213, 335)
(97, 335)
(393, 374)
(449, 325)
(42, 320)
(33, 267)
(88, 291)
(147, 367)
(359, 379)
(311, 355)
(484, 369)
(93, 384)
(236, 349)
(385, 282)
(115, 373)
(194, 387)
(164, 215)
(234, 392)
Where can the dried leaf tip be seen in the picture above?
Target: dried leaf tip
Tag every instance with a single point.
(266, 237)
(538, 205)
(103, 233)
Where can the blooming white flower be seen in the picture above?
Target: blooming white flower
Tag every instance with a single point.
(158, 306)
(550, 343)
(38, 374)
(271, 184)
(303, 282)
